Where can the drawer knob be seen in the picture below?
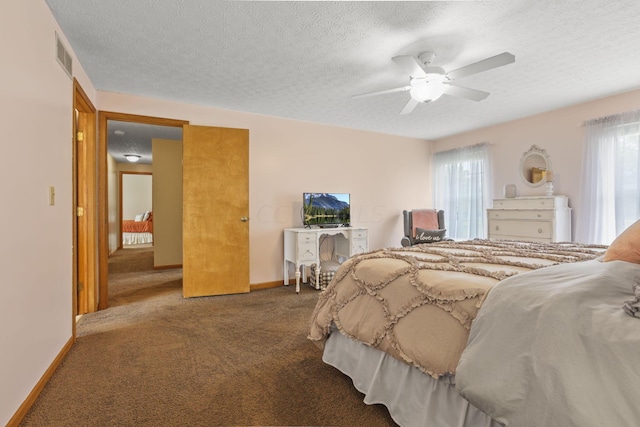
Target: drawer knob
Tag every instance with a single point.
(539, 230)
(497, 228)
(539, 216)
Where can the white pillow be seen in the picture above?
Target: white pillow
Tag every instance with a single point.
(145, 216)
(138, 218)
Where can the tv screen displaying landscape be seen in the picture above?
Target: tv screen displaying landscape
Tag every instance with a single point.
(324, 209)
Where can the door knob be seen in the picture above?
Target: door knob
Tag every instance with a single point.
(244, 219)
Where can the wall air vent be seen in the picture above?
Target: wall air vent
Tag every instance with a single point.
(63, 57)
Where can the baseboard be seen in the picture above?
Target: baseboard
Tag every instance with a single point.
(167, 267)
(31, 398)
(267, 285)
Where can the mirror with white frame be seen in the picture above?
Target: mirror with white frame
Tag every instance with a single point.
(534, 166)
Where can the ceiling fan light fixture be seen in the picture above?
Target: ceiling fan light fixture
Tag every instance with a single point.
(132, 157)
(429, 88)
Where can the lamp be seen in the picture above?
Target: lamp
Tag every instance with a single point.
(132, 157)
(428, 88)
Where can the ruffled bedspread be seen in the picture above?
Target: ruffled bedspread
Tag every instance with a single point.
(417, 303)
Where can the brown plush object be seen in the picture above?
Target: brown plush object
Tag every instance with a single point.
(626, 247)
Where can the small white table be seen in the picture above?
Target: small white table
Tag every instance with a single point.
(302, 247)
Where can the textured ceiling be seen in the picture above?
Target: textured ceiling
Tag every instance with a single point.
(304, 60)
(135, 138)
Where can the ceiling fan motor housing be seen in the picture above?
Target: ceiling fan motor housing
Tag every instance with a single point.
(427, 57)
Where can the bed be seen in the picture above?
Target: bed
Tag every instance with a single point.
(398, 322)
(139, 230)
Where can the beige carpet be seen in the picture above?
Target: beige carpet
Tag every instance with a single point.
(154, 358)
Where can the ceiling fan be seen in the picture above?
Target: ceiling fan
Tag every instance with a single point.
(426, 83)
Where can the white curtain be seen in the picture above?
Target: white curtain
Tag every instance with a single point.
(611, 181)
(462, 185)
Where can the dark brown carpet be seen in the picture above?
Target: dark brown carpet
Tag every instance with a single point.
(154, 358)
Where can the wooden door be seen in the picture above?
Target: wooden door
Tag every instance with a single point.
(215, 183)
(84, 201)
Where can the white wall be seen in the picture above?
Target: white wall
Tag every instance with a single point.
(35, 248)
(560, 132)
(137, 193)
(384, 174)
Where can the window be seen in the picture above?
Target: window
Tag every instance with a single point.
(462, 182)
(611, 191)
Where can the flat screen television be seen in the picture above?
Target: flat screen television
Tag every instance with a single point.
(326, 209)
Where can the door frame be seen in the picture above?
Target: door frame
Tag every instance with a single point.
(103, 193)
(84, 196)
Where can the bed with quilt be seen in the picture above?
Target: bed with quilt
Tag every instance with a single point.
(489, 333)
(138, 230)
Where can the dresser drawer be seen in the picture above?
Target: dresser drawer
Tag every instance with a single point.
(521, 230)
(305, 238)
(307, 251)
(534, 214)
(359, 246)
(531, 202)
(359, 234)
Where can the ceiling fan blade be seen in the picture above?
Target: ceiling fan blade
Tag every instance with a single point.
(465, 92)
(409, 106)
(409, 64)
(484, 65)
(382, 92)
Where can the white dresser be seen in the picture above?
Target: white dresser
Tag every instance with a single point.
(536, 219)
(302, 247)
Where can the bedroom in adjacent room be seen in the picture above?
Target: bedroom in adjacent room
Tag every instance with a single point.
(137, 214)
(144, 209)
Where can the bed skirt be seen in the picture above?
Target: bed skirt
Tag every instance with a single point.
(412, 397)
(136, 238)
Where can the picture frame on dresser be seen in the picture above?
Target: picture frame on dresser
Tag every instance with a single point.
(510, 191)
